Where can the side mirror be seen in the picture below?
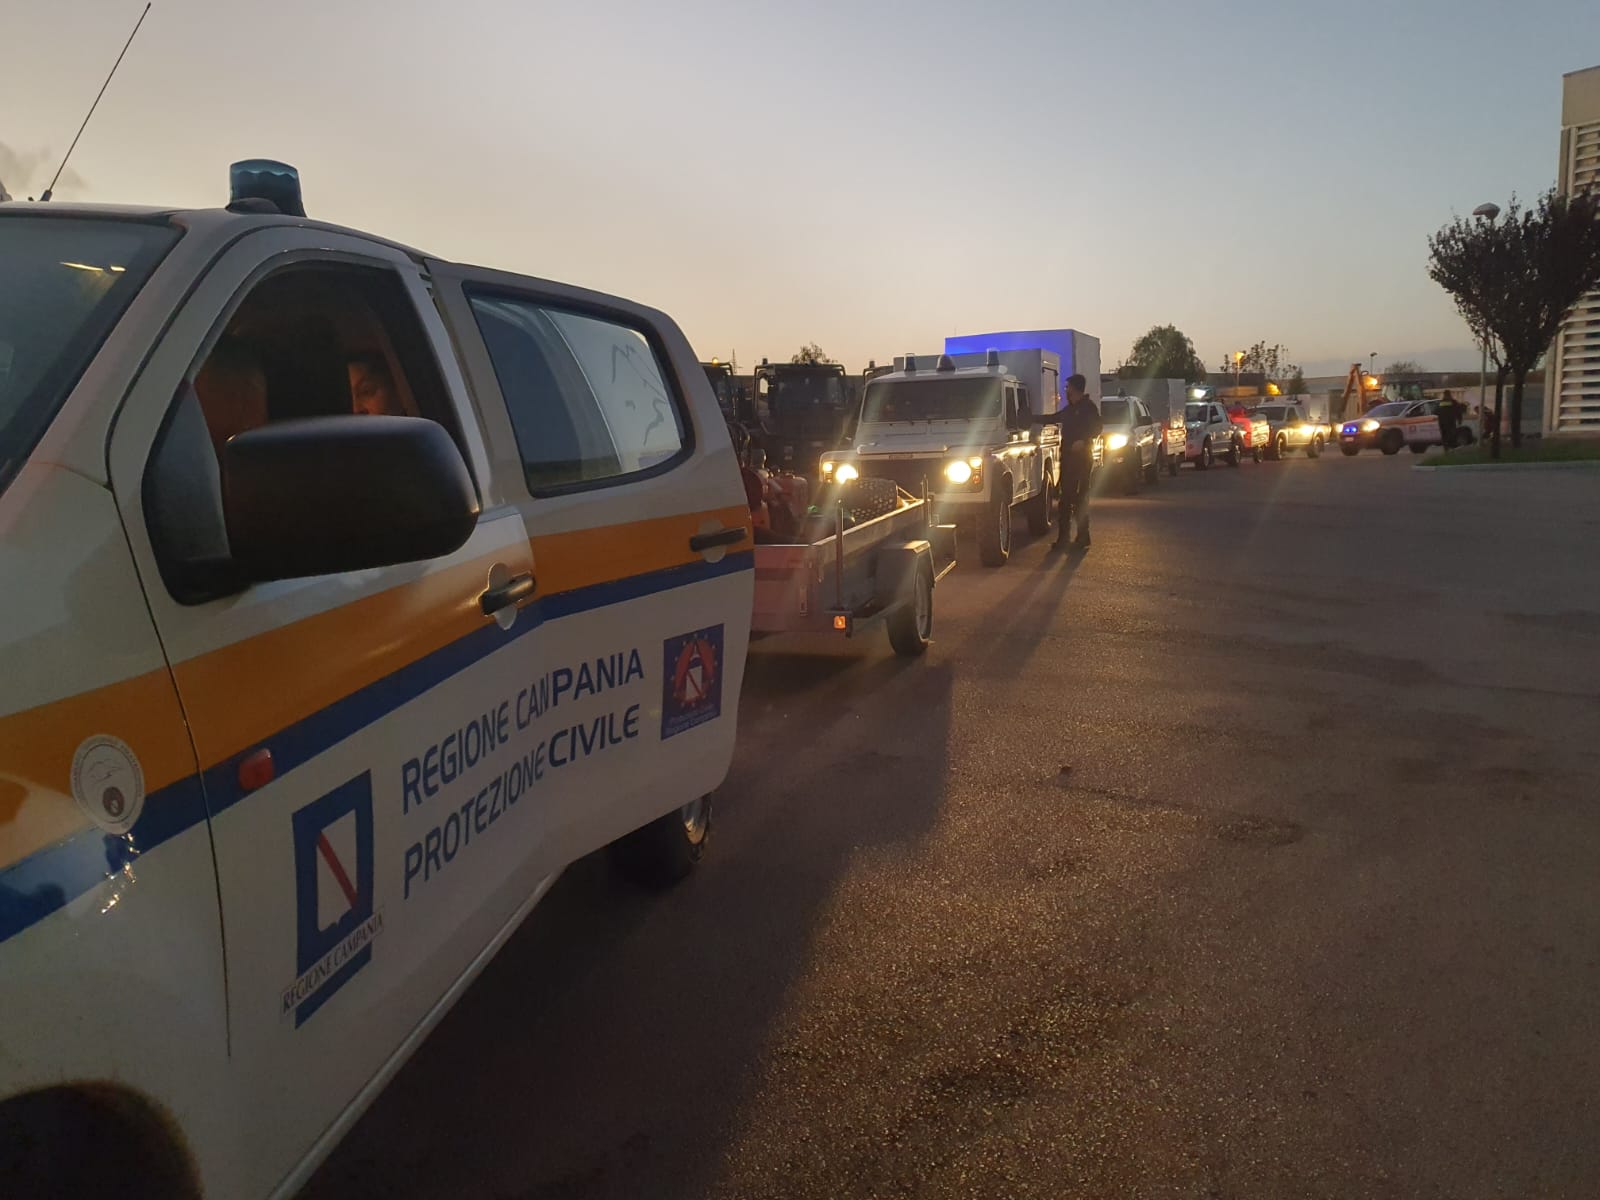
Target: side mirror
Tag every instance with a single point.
(329, 494)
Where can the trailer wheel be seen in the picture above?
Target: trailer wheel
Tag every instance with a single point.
(867, 498)
(1233, 453)
(662, 853)
(1041, 509)
(994, 526)
(1174, 461)
(1255, 454)
(911, 627)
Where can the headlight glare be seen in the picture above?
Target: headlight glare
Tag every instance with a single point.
(958, 472)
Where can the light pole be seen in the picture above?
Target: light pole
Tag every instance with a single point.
(1488, 212)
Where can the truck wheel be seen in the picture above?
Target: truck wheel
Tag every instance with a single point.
(1131, 470)
(1392, 441)
(1233, 453)
(994, 526)
(1280, 446)
(1152, 473)
(911, 626)
(1349, 451)
(1205, 459)
(1041, 509)
(867, 498)
(662, 853)
(91, 1139)
(1314, 448)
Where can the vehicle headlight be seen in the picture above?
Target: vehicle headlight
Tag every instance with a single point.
(958, 472)
(845, 472)
(1116, 441)
(1368, 425)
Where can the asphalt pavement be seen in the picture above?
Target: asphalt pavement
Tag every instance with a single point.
(1252, 854)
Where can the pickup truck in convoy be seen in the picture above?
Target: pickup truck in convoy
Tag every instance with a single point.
(1135, 443)
(1397, 426)
(349, 595)
(1291, 428)
(1209, 434)
(957, 428)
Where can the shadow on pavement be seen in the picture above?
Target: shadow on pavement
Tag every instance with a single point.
(609, 1049)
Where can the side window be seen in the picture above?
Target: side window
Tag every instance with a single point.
(1023, 408)
(587, 396)
(319, 341)
(309, 340)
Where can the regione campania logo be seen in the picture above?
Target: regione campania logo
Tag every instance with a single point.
(335, 922)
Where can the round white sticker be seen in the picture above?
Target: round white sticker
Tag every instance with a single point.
(108, 782)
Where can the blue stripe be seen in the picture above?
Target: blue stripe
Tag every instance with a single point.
(34, 887)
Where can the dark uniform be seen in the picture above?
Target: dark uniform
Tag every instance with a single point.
(1449, 420)
(1080, 422)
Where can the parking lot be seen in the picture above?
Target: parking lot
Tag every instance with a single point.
(1251, 854)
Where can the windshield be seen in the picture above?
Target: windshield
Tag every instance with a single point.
(807, 391)
(1116, 411)
(63, 284)
(974, 399)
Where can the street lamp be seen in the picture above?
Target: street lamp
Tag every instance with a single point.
(1488, 212)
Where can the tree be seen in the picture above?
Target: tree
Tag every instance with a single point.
(1515, 279)
(810, 353)
(1163, 353)
(1270, 362)
(1403, 366)
(1296, 385)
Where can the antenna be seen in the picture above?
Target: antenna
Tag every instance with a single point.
(95, 105)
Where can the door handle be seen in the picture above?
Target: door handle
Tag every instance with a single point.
(701, 542)
(513, 591)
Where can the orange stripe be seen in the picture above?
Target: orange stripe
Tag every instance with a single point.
(36, 804)
(251, 690)
(240, 694)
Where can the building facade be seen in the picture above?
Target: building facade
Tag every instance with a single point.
(1573, 381)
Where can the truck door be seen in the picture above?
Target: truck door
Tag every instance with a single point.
(375, 825)
(641, 536)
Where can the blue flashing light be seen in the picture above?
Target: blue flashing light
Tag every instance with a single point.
(253, 182)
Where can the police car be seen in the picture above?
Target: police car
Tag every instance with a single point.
(1398, 425)
(350, 594)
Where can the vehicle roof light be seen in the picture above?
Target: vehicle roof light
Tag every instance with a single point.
(911, 363)
(944, 363)
(264, 185)
(991, 358)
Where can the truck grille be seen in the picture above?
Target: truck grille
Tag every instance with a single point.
(907, 472)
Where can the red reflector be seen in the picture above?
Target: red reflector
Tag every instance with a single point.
(256, 771)
(841, 622)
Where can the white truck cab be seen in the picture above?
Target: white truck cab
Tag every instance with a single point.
(1210, 435)
(349, 595)
(959, 427)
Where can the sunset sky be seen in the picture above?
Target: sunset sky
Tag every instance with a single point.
(868, 176)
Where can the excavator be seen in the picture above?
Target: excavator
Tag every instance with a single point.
(1366, 390)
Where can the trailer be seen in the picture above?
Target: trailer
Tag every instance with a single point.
(871, 553)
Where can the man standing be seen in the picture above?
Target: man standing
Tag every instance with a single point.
(1449, 419)
(1080, 425)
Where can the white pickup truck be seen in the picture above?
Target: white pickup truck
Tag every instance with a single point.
(1210, 435)
(957, 428)
(349, 594)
